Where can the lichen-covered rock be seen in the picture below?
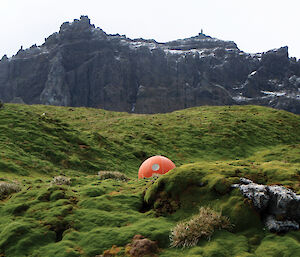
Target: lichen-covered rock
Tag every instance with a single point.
(284, 202)
(257, 193)
(274, 225)
(279, 206)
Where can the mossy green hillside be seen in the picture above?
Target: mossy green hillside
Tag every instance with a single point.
(212, 148)
(89, 140)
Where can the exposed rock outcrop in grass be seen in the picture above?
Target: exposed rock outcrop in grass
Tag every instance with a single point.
(274, 203)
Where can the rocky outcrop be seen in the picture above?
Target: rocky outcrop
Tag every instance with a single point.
(83, 66)
(56, 91)
(279, 206)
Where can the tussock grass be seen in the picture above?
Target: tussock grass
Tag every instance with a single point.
(112, 175)
(7, 189)
(61, 180)
(188, 233)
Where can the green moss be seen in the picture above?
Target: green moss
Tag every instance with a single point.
(203, 184)
(223, 243)
(61, 249)
(100, 142)
(241, 213)
(277, 246)
(20, 238)
(93, 191)
(57, 195)
(99, 239)
(212, 148)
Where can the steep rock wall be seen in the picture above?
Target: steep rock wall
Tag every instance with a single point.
(83, 66)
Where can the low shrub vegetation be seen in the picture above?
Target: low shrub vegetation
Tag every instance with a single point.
(188, 233)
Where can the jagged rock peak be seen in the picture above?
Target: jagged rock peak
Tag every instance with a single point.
(200, 41)
(83, 23)
(283, 51)
(79, 29)
(4, 58)
(81, 65)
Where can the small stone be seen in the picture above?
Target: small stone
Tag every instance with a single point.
(141, 246)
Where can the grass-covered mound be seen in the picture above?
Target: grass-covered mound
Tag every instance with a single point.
(89, 140)
(211, 146)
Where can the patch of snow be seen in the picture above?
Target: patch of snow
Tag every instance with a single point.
(168, 51)
(252, 74)
(195, 52)
(124, 42)
(256, 55)
(292, 95)
(241, 98)
(133, 107)
(135, 45)
(273, 93)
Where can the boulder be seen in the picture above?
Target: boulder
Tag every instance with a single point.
(141, 246)
(279, 206)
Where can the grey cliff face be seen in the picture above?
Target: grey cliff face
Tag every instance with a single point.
(56, 91)
(83, 66)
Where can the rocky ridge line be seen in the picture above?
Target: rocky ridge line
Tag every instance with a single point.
(81, 65)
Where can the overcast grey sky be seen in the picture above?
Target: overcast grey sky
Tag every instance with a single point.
(255, 25)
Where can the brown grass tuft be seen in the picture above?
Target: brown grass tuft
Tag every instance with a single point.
(8, 188)
(61, 180)
(113, 175)
(188, 233)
